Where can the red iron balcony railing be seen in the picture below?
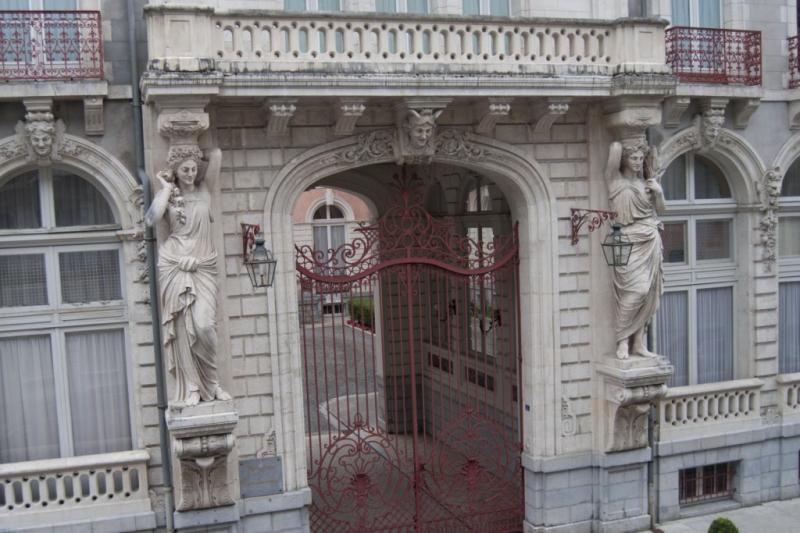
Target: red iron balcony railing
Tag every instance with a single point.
(714, 55)
(794, 62)
(50, 45)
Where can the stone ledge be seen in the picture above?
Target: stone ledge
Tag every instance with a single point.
(575, 527)
(121, 524)
(276, 503)
(728, 439)
(206, 517)
(60, 90)
(560, 463)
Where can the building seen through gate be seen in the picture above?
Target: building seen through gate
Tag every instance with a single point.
(437, 351)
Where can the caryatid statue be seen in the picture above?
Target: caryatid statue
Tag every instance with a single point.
(187, 273)
(635, 194)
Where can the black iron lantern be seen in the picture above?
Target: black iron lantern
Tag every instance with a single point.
(261, 265)
(617, 247)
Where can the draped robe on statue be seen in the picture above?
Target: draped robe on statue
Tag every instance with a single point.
(189, 301)
(637, 285)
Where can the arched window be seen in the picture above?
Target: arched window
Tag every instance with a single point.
(63, 384)
(695, 322)
(789, 271)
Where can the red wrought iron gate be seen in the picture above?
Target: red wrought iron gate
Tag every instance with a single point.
(411, 359)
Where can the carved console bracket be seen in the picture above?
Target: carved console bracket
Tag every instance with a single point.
(249, 232)
(674, 108)
(350, 111)
(595, 217)
(490, 112)
(628, 117)
(416, 129)
(630, 387)
(93, 123)
(202, 439)
(742, 111)
(545, 113)
(794, 115)
(280, 114)
(182, 121)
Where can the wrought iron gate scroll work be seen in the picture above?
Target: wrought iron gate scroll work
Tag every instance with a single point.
(413, 412)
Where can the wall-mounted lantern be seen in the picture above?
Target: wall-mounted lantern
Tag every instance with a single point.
(258, 260)
(617, 247)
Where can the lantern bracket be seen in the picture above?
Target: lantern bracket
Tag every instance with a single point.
(249, 232)
(595, 218)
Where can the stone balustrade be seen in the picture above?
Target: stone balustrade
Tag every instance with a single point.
(247, 42)
(699, 406)
(789, 393)
(86, 487)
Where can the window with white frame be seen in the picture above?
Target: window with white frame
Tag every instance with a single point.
(63, 368)
(789, 271)
(497, 8)
(694, 325)
(697, 13)
(312, 5)
(401, 6)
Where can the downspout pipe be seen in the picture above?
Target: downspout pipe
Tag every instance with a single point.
(152, 273)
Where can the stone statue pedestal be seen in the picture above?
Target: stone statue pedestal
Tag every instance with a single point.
(202, 441)
(629, 387)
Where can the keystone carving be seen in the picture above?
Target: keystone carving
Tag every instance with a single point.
(712, 120)
(416, 136)
(42, 136)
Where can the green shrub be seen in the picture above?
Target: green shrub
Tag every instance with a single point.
(722, 525)
(362, 311)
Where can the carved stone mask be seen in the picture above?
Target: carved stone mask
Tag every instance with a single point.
(420, 127)
(712, 126)
(42, 142)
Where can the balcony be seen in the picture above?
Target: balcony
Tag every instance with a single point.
(50, 45)
(75, 489)
(709, 409)
(301, 50)
(714, 55)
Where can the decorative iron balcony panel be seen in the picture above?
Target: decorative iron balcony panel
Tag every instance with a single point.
(794, 62)
(50, 45)
(714, 55)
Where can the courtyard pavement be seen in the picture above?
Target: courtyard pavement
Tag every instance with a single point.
(772, 517)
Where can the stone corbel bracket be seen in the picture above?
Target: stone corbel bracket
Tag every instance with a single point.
(631, 386)
(350, 111)
(629, 117)
(202, 439)
(742, 111)
(280, 114)
(674, 108)
(490, 112)
(182, 126)
(545, 113)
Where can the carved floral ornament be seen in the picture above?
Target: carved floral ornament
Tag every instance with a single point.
(769, 191)
(380, 146)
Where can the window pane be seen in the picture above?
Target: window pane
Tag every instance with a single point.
(335, 212)
(78, 202)
(89, 276)
(713, 239)
(28, 418)
(680, 12)
(714, 335)
(674, 240)
(23, 281)
(328, 5)
(709, 182)
(674, 180)
(417, 6)
(98, 391)
(471, 7)
(295, 5)
(789, 236)
(788, 332)
(709, 14)
(19, 203)
(498, 8)
(791, 181)
(673, 334)
(385, 6)
(321, 238)
(60, 4)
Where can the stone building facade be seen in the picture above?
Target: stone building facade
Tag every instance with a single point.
(506, 112)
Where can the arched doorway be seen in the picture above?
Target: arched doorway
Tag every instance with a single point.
(413, 396)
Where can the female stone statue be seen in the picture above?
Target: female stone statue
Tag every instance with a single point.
(637, 202)
(187, 274)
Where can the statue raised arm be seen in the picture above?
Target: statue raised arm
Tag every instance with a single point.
(637, 285)
(187, 274)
